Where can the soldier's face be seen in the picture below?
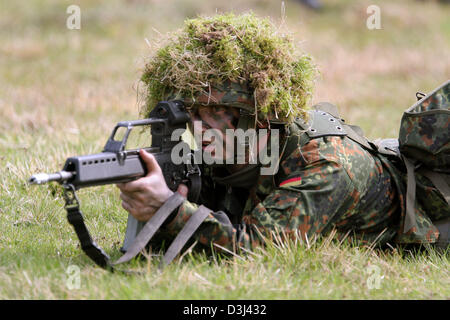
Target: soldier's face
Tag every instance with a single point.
(219, 118)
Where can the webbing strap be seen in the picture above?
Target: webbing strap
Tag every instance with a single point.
(443, 227)
(353, 132)
(151, 227)
(439, 182)
(356, 135)
(410, 219)
(436, 178)
(185, 234)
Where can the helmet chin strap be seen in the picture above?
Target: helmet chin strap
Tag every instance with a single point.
(244, 178)
(246, 121)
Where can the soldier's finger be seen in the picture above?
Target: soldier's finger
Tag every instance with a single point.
(150, 162)
(120, 186)
(133, 186)
(126, 198)
(127, 207)
(183, 190)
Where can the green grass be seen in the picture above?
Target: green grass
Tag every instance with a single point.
(62, 91)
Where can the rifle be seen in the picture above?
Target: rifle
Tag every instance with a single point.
(116, 165)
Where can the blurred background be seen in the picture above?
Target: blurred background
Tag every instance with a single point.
(75, 84)
(62, 91)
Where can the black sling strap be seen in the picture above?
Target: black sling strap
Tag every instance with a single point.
(75, 217)
(91, 248)
(88, 245)
(93, 251)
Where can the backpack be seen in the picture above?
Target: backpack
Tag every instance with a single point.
(425, 130)
(424, 146)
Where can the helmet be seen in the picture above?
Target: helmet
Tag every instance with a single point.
(235, 60)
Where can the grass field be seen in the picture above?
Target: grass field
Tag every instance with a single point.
(62, 91)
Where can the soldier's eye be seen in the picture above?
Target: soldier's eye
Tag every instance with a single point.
(194, 114)
(235, 122)
(206, 125)
(219, 108)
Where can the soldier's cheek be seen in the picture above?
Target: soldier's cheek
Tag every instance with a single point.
(210, 149)
(228, 148)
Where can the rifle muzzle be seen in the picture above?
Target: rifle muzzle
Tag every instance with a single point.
(42, 178)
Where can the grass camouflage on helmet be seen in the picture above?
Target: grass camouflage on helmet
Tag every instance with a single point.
(238, 60)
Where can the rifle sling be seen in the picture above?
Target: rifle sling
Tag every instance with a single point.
(194, 187)
(151, 227)
(185, 234)
(88, 245)
(93, 251)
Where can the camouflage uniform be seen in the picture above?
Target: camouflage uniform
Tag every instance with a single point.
(322, 183)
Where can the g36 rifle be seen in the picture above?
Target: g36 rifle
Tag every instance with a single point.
(115, 164)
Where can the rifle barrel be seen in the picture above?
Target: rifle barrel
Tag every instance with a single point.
(42, 178)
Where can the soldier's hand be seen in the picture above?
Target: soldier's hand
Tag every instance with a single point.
(143, 197)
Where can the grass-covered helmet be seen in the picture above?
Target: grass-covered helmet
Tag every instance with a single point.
(237, 60)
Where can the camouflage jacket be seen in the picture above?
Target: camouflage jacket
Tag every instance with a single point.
(322, 184)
